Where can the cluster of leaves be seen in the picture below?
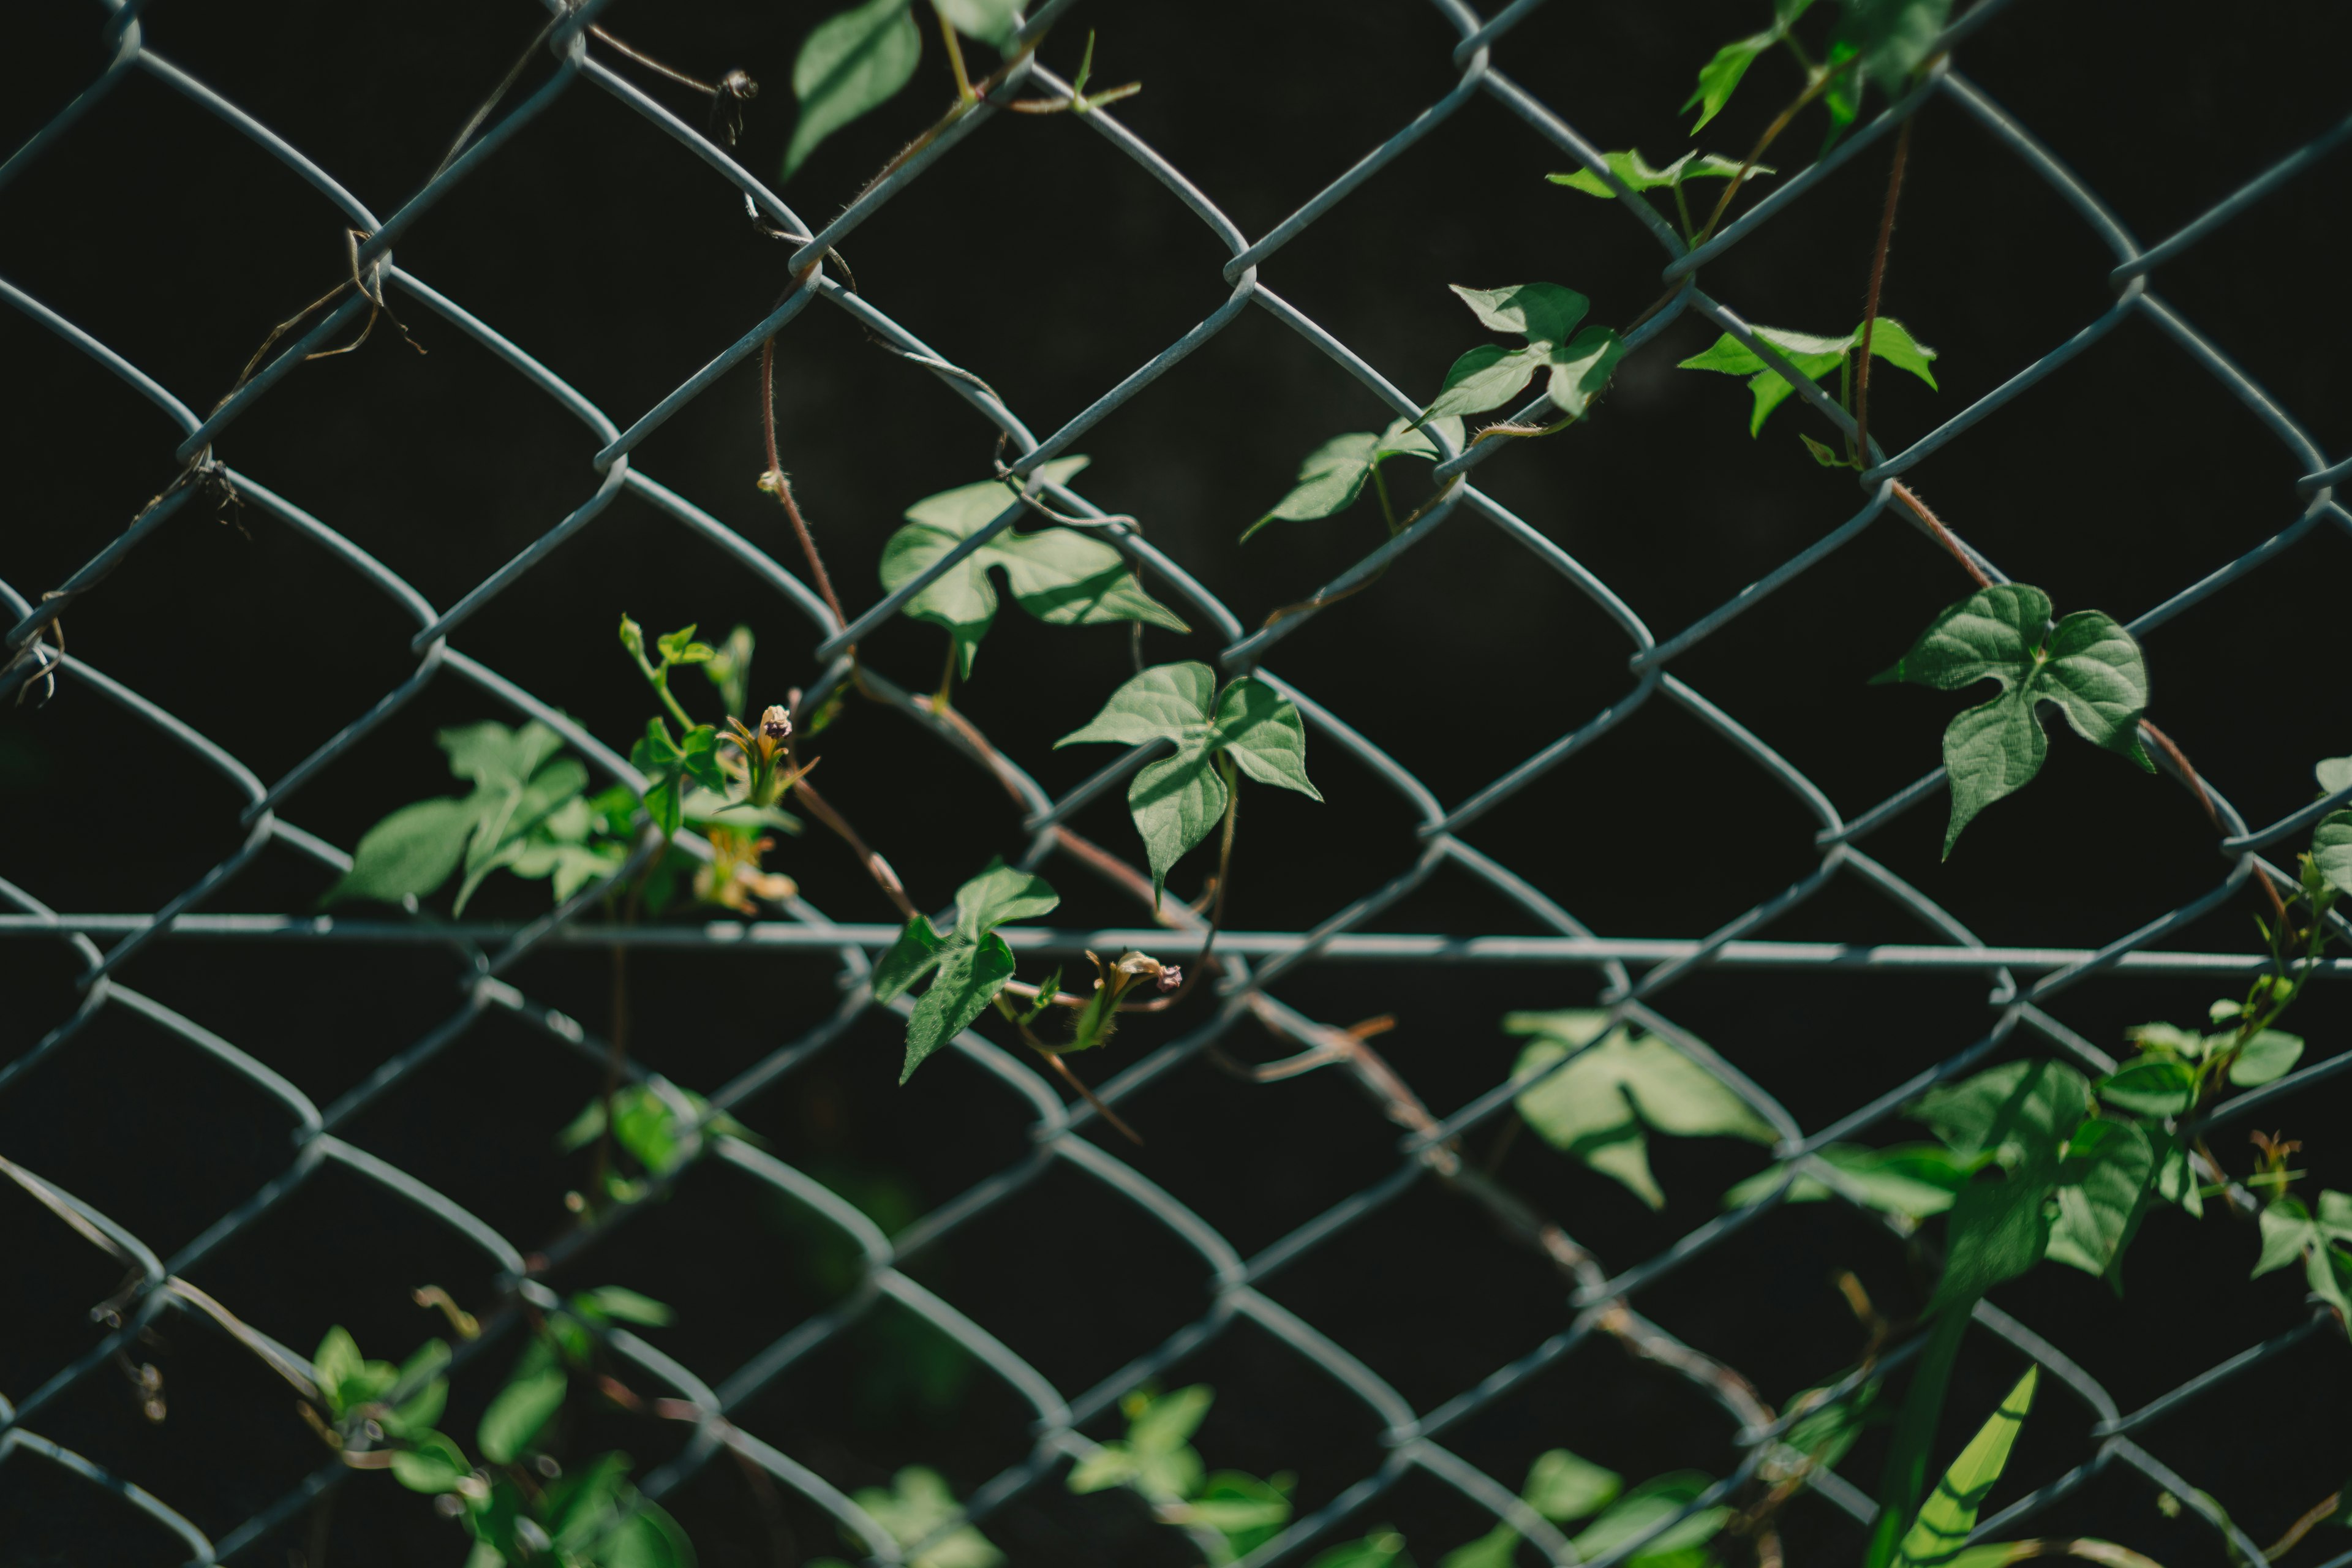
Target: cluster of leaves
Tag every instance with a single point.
(519, 1505)
(2085, 664)
(1230, 1512)
(1334, 473)
(968, 965)
(530, 813)
(1063, 576)
(913, 1509)
(1576, 364)
(858, 59)
(661, 1127)
(1618, 1081)
(1637, 174)
(1876, 43)
(1815, 357)
(1178, 799)
(527, 814)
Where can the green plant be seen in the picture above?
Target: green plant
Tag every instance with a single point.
(858, 59)
(520, 1504)
(918, 1507)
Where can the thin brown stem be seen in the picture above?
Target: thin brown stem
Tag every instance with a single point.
(875, 867)
(1943, 535)
(2197, 787)
(775, 480)
(653, 65)
(1878, 283)
(1070, 1077)
(1818, 86)
(2319, 1514)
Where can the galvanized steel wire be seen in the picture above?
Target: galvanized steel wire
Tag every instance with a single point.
(1636, 974)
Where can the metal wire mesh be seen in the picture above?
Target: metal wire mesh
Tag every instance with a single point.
(1636, 974)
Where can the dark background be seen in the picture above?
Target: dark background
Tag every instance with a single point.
(1042, 260)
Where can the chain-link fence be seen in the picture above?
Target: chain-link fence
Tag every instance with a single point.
(166, 1275)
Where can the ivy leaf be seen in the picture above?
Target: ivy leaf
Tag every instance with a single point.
(1812, 357)
(496, 757)
(1155, 1457)
(993, 22)
(968, 965)
(519, 780)
(1719, 77)
(1247, 1512)
(518, 1412)
(2331, 850)
(1540, 312)
(1637, 174)
(1564, 1487)
(1943, 1521)
(619, 1303)
(2267, 1058)
(1582, 367)
(1894, 37)
(850, 63)
(1063, 576)
(915, 1507)
(431, 1464)
(2103, 1182)
(1334, 473)
(679, 648)
(2175, 1182)
(411, 852)
(2019, 1113)
(1486, 377)
(1175, 801)
(1594, 1110)
(2089, 665)
(1998, 1231)
(1381, 1549)
(2155, 1087)
(1639, 1510)
(1915, 1179)
(673, 767)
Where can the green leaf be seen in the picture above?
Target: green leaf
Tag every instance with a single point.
(1894, 37)
(1825, 1432)
(1594, 1109)
(2267, 1058)
(916, 1505)
(1564, 1487)
(1165, 1424)
(410, 853)
(1719, 77)
(1636, 173)
(1988, 636)
(993, 22)
(1062, 577)
(1160, 703)
(2152, 1086)
(2094, 672)
(850, 63)
(1580, 369)
(969, 979)
(2331, 850)
(1486, 377)
(2176, 1180)
(2019, 1112)
(432, 1464)
(1728, 356)
(999, 895)
(2165, 1039)
(1333, 474)
(2286, 1229)
(2102, 1184)
(623, 1304)
(1991, 752)
(1265, 734)
(1827, 456)
(1540, 312)
(1915, 1179)
(1891, 341)
(1247, 1512)
(1942, 1527)
(915, 954)
(1498, 1548)
(496, 757)
(679, 648)
(336, 1363)
(1177, 800)
(1662, 1497)
(518, 1413)
(1998, 1231)
(1176, 803)
(729, 670)
(1381, 1549)
(2089, 665)
(416, 1413)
